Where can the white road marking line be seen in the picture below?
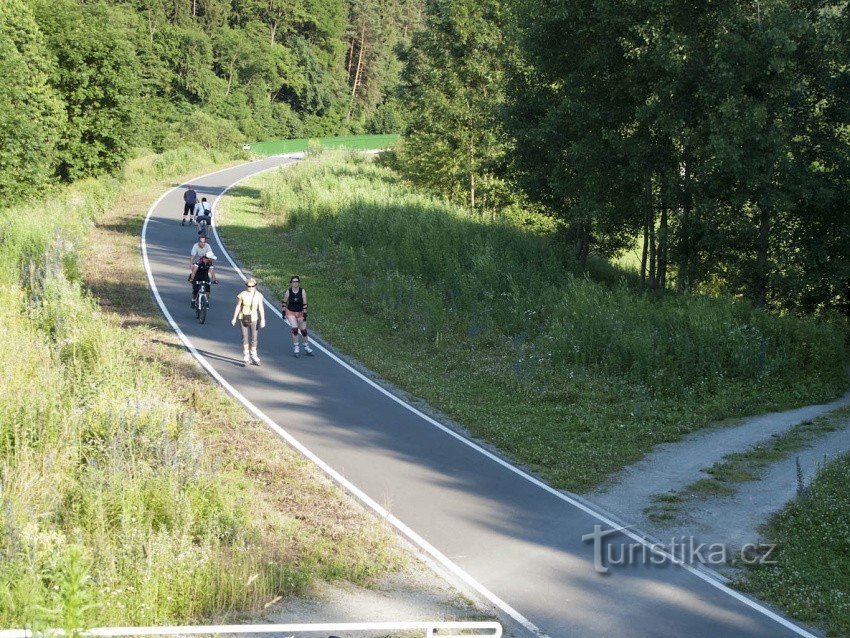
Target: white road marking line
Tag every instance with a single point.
(451, 566)
(333, 474)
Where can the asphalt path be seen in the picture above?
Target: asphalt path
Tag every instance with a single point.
(515, 541)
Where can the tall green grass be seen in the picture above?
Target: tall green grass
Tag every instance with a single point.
(573, 376)
(112, 511)
(808, 578)
(436, 272)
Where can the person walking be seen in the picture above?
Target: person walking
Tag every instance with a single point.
(250, 311)
(295, 312)
(190, 198)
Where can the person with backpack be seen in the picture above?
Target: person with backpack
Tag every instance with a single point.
(251, 313)
(190, 198)
(202, 213)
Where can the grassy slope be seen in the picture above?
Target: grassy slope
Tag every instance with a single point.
(134, 492)
(810, 579)
(575, 382)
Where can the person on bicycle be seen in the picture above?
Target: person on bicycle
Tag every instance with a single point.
(199, 249)
(250, 311)
(203, 213)
(202, 270)
(295, 312)
(190, 198)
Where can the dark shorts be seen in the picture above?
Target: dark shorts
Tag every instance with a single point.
(207, 218)
(197, 284)
(188, 208)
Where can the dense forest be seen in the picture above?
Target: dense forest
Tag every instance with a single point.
(716, 136)
(713, 136)
(85, 82)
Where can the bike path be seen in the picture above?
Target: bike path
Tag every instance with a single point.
(508, 536)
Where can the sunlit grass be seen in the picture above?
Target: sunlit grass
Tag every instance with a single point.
(113, 510)
(490, 324)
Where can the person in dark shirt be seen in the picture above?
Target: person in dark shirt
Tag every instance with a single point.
(202, 270)
(190, 198)
(295, 313)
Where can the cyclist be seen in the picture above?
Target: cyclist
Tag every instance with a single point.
(295, 312)
(201, 271)
(190, 198)
(199, 249)
(203, 213)
(249, 310)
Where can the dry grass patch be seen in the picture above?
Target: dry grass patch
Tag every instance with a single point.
(301, 512)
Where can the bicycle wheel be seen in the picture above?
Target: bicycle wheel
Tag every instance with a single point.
(202, 311)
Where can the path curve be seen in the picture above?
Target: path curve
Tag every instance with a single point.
(505, 534)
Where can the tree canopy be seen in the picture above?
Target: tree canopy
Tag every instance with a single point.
(714, 135)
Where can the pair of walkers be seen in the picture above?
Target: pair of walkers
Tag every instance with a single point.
(197, 211)
(251, 314)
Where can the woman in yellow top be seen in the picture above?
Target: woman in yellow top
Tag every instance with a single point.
(249, 310)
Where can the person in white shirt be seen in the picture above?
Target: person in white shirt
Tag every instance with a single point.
(199, 250)
(203, 211)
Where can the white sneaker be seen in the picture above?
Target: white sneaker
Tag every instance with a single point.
(296, 351)
(308, 349)
(255, 359)
(246, 359)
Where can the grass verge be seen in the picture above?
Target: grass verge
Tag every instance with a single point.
(354, 142)
(573, 378)
(749, 465)
(809, 579)
(134, 491)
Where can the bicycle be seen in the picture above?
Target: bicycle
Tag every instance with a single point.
(202, 301)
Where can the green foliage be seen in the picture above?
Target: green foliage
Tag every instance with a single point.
(207, 131)
(715, 131)
(483, 320)
(31, 113)
(809, 579)
(453, 80)
(96, 75)
(86, 82)
(113, 511)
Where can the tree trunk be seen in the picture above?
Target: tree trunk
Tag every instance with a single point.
(644, 252)
(683, 283)
(762, 266)
(472, 173)
(646, 218)
(582, 243)
(652, 251)
(662, 250)
(350, 57)
(358, 72)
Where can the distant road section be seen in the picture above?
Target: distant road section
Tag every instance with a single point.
(505, 534)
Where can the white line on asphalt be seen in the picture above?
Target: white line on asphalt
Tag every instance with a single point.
(442, 559)
(336, 476)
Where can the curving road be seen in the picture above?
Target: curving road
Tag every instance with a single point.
(515, 541)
